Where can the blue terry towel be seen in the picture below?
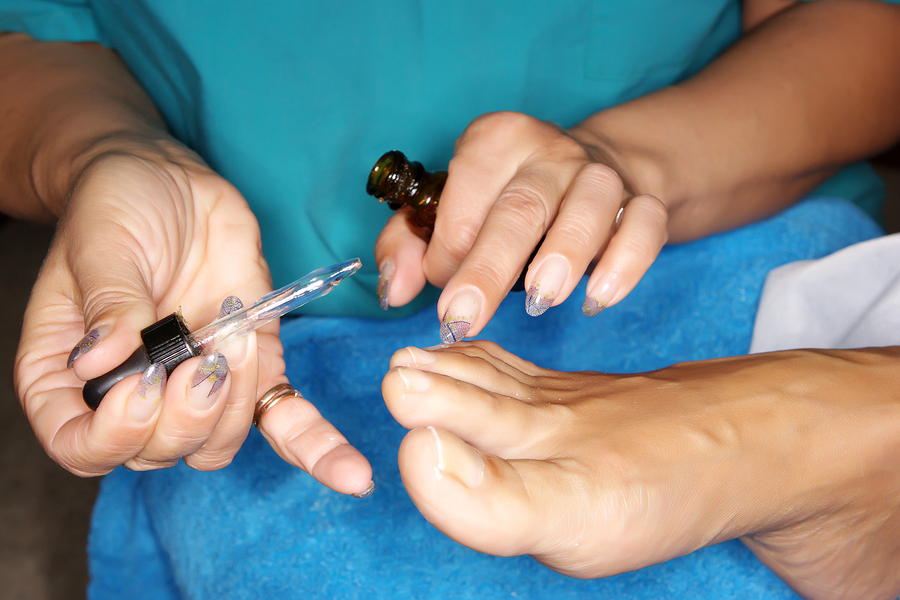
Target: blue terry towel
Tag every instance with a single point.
(262, 529)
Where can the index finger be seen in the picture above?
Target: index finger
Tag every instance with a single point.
(521, 214)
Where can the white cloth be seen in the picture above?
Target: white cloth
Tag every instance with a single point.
(850, 299)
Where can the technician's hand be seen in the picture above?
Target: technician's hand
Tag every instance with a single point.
(512, 180)
(144, 235)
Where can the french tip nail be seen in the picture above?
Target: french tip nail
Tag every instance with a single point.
(367, 492)
(591, 307)
(384, 290)
(85, 345)
(535, 305)
(385, 277)
(214, 368)
(459, 316)
(229, 305)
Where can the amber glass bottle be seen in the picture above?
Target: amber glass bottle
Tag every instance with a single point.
(406, 185)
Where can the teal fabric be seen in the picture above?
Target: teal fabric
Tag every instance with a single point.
(294, 101)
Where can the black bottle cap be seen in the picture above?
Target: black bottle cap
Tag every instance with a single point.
(167, 341)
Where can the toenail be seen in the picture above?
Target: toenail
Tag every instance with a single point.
(420, 357)
(457, 459)
(414, 380)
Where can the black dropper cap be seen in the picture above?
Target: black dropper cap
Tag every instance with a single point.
(168, 341)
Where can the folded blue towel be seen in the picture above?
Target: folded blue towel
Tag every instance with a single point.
(262, 529)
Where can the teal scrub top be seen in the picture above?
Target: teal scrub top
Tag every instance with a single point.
(293, 101)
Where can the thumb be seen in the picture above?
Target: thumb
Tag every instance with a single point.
(117, 304)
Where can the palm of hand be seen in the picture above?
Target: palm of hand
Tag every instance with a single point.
(138, 240)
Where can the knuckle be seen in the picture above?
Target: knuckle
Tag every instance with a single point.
(139, 463)
(459, 234)
(577, 234)
(652, 209)
(523, 207)
(499, 123)
(496, 131)
(602, 181)
(494, 275)
(642, 243)
(208, 460)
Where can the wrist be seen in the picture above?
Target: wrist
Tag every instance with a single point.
(58, 167)
(70, 102)
(631, 140)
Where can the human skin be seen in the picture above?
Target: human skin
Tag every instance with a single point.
(811, 86)
(594, 474)
(143, 228)
(106, 127)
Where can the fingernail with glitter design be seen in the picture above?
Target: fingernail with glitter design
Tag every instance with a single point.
(460, 315)
(601, 294)
(149, 392)
(385, 277)
(367, 492)
(213, 369)
(546, 285)
(229, 305)
(87, 343)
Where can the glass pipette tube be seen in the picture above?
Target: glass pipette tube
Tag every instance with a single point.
(170, 343)
(316, 284)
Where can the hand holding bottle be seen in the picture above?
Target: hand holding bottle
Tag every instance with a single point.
(144, 229)
(143, 236)
(513, 181)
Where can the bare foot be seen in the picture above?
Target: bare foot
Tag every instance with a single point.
(594, 475)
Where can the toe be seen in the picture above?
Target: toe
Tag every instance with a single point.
(476, 499)
(494, 422)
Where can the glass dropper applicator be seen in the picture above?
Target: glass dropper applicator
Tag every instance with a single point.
(169, 342)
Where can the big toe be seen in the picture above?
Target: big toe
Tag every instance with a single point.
(477, 499)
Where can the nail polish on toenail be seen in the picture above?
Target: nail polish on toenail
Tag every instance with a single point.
(414, 380)
(601, 294)
(457, 459)
(420, 357)
(87, 343)
(385, 277)
(546, 285)
(459, 316)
